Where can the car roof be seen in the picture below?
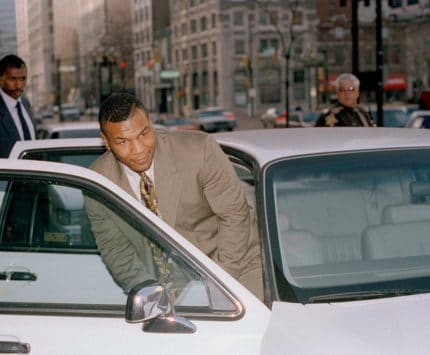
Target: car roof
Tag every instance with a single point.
(69, 126)
(270, 144)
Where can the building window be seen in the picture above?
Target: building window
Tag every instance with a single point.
(395, 55)
(299, 93)
(269, 43)
(299, 76)
(413, 2)
(238, 18)
(194, 52)
(204, 50)
(193, 26)
(339, 55)
(263, 18)
(213, 20)
(203, 23)
(177, 56)
(239, 46)
(298, 18)
(184, 29)
(396, 3)
(214, 48)
(269, 83)
(240, 87)
(195, 81)
(184, 54)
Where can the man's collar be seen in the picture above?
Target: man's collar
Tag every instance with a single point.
(9, 100)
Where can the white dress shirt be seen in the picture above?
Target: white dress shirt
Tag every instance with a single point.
(134, 178)
(11, 106)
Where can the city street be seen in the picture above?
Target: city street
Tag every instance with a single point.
(245, 122)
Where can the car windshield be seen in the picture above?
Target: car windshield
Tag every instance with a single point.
(347, 225)
(174, 121)
(211, 113)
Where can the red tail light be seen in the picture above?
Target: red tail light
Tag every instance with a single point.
(229, 115)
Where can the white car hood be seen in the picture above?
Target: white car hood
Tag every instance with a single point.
(398, 325)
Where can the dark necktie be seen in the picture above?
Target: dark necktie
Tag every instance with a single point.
(24, 126)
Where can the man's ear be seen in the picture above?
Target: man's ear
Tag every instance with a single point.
(105, 141)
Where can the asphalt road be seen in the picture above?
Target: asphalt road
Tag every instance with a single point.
(246, 122)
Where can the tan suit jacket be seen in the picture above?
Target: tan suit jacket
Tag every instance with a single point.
(199, 195)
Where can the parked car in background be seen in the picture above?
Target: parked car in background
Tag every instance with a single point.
(82, 129)
(277, 118)
(419, 119)
(214, 119)
(393, 116)
(70, 112)
(92, 111)
(181, 123)
(344, 226)
(268, 118)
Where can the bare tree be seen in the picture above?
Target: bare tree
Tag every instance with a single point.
(286, 35)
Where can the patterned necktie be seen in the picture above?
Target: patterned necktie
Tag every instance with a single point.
(148, 193)
(163, 262)
(24, 126)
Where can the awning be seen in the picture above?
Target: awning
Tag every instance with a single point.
(396, 82)
(169, 74)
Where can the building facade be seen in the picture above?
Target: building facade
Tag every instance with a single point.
(224, 53)
(8, 41)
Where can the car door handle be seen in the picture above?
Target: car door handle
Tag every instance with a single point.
(14, 347)
(18, 276)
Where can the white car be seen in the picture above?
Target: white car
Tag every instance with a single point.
(419, 119)
(70, 111)
(344, 217)
(77, 129)
(214, 119)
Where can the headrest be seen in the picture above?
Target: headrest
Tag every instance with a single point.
(419, 188)
(405, 213)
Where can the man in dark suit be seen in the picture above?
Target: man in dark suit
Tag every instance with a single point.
(16, 117)
(198, 192)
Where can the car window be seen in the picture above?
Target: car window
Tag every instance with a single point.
(350, 219)
(211, 113)
(83, 157)
(77, 133)
(48, 249)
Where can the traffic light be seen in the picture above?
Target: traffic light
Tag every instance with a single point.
(245, 61)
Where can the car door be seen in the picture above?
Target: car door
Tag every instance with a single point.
(58, 297)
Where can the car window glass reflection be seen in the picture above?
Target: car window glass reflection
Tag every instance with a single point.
(46, 236)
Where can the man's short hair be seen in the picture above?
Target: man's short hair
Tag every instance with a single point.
(11, 60)
(347, 77)
(119, 107)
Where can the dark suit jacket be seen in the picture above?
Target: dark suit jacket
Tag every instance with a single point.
(8, 131)
(201, 196)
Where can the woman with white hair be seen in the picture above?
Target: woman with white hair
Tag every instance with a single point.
(346, 112)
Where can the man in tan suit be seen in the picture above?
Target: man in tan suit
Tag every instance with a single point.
(198, 192)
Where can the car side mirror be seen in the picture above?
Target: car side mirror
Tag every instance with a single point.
(151, 303)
